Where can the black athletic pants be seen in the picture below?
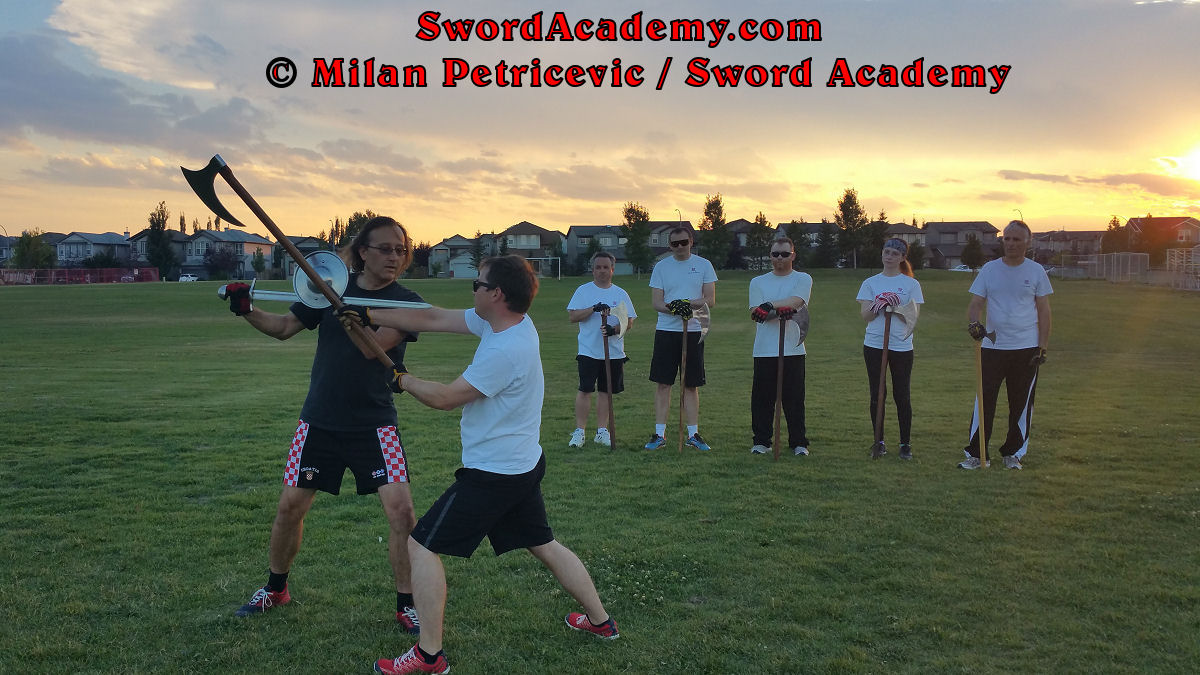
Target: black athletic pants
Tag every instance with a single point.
(1010, 366)
(762, 400)
(900, 364)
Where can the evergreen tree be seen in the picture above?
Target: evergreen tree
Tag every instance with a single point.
(1116, 237)
(826, 254)
(797, 231)
(714, 238)
(477, 250)
(259, 261)
(851, 218)
(758, 242)
(917, 255)
(158, 242)
(972, 255)
(636, 230)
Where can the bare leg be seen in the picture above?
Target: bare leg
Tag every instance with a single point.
(601, 409)
(288, 528)
(583, 404)
(662, 403)
(691, 405)
(573, 576)
(397, 505)
(429, 594)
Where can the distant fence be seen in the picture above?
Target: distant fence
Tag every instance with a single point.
(77, 276)
(1114, 267)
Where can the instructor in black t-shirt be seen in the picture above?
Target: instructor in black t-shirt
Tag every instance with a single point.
(348, 419)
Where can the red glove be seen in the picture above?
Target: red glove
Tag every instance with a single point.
(762, 312)
(239, 299)
(785, 313)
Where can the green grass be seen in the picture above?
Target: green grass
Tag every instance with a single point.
(142, 431)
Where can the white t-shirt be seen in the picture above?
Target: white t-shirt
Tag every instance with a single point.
(500, 431)
(773, 287)
(591, 344)
(909, 291)
(681, 280)
(1011, 306)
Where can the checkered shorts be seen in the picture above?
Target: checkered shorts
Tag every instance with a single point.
(318, 458)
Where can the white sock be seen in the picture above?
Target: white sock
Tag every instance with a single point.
(693, 429)
(660, 429)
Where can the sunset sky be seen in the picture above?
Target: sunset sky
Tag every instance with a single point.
(102, 100)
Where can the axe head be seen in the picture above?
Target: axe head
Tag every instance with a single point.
(203, 183)
(910, 312)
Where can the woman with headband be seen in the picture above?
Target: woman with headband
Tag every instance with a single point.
(889, 292)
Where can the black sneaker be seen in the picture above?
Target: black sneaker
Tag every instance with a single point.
(878, 450)
(905, 451)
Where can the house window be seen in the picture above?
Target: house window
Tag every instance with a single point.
(606, 241)
(201, 248)
(584, 241)
(654, 239)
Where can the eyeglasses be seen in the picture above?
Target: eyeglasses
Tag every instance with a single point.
(1014, 238)
(681, 242)
(780, 254)
(477, 284)
(388, 250)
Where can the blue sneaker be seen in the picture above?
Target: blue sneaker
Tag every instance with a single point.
(655, 442)
(698, 443)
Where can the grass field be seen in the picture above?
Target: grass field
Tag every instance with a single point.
(143, 428)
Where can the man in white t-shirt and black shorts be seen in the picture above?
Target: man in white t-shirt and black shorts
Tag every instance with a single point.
(1015, 292)
(497, 492)
(679, 283)
(585, 308)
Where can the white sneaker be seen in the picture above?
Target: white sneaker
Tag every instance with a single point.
(800, 451)
(759, 450)
(602, 438)
(1012, 462)
(576, 439)
(972, 463)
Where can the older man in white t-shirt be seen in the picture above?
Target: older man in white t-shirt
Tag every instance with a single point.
(497, 493)
(1014, 291)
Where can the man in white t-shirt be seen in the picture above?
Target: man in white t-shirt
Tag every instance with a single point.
(774, 297)
(497, 493)
(585, 308)
(679, 283)
(1014, 291)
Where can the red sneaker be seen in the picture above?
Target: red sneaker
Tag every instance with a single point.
(412, 662)
(408, 619)
(607, 630)
(262, 600)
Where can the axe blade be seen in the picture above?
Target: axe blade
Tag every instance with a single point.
(203, 183)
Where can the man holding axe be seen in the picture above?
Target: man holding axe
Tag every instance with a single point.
(1014, 291)
(679, 284)
(348, 419)
(779, 352)
(601, 346)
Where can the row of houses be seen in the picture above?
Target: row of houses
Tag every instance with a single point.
(452, 257)
(190, 250)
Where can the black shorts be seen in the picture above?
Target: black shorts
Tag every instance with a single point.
(318, 459)
(508, 510)
(591, 374)
(668, 348)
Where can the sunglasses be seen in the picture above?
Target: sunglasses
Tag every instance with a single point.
(780, 254)
(681, 242)
(1014, 239)
(477, 284)
(388, 250)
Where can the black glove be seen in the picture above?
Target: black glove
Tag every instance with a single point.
(355, 314)
(762, 312)
(600, 307)
(239, 299)
(394, 382)
(680, 308)
(1039, 358)
(976, 330)
(609, 329)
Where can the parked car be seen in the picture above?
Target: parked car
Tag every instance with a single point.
(188, 277)
(960, 268)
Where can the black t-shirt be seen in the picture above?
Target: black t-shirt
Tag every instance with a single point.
(347, 391)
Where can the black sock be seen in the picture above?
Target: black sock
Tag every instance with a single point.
(427, 657)
(403, 600)
(276, 582)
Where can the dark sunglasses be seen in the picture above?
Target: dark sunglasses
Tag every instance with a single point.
(681, 242)
(780, 254)
(477, 284)
(1014, 239)
(388, 250)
